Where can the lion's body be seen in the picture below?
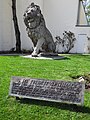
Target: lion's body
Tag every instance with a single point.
(37, 31)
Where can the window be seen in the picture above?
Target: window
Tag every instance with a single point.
(83, 18)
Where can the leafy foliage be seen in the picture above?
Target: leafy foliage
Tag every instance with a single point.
(67, 42)
(86, 4)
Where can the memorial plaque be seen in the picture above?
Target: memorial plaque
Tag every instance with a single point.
(49, 90)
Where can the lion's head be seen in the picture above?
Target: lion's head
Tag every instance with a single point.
(32, 13)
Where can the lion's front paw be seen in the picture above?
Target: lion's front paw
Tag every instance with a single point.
(34, 54)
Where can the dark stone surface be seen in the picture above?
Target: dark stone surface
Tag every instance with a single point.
(46, 57)
(50, 90)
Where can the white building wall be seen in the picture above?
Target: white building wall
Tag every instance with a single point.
(6, 41)
(59, 15)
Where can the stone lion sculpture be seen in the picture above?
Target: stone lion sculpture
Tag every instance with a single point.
(37, 30)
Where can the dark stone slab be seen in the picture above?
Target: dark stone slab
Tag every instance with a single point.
(49, 90)
(51, 57)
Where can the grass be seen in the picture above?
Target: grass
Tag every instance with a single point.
(12, 109)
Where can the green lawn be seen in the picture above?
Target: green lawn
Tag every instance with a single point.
(12, 109)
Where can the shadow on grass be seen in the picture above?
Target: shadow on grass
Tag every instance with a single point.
(10, 55)
(65, 58)
(62, 106)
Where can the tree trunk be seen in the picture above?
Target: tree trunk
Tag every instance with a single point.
(16, 27)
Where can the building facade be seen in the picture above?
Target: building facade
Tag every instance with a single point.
(59, 15)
